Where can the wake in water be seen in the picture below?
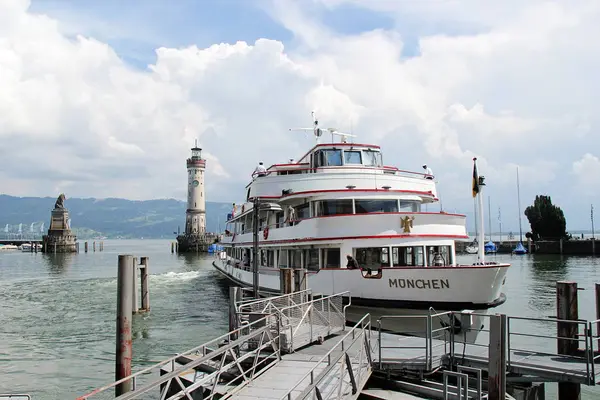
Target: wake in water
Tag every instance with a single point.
(169, 277)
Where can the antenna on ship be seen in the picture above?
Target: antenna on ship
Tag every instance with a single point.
(342, 135)
(318, 132)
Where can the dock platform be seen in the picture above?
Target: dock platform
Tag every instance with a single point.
(296, 346)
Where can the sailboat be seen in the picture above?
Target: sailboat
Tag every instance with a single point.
(519, 249)
(490, 247)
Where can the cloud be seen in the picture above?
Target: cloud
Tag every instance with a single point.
(587, 173)
(513, 84)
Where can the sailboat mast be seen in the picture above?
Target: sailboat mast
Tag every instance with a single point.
(519, 200)
(490, 216)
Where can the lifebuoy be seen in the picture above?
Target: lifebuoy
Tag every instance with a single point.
(265, 233)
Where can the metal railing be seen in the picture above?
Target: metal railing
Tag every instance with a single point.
(223, 366)
(428, 334)
(343, 370)
(302, 319)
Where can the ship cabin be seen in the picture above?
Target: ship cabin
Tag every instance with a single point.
(340, 199)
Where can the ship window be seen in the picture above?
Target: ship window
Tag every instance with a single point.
(438, 256)
(410, 206)
(373, 158)
(371, 206)
(333, 158)
(407, 256)
(302, 211)
(331, 258)
(295, 259)
(333, 207)
(312, 259)
(352, 157)
(373, 257)
(283, 258)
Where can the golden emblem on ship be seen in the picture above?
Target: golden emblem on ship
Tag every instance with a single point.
(407, 223)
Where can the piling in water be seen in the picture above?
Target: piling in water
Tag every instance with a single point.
(567, 309)
(94, 246)
(172, 247)
(144, 277)
(85, 247)
(134, 290)
(497, 358)
(124, 344)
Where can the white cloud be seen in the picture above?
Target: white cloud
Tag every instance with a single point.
(517, 87)
(587, 172)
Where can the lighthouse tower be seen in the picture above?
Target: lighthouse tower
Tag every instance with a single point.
(195, 215)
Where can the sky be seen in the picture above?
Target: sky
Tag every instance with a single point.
(105, 99)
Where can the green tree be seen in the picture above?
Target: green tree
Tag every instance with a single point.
(547, 220)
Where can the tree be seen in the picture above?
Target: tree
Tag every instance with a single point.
(547, 220)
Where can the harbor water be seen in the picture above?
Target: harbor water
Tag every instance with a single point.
(57, 313)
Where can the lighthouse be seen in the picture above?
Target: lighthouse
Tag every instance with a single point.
(195, 214)
(195, 238)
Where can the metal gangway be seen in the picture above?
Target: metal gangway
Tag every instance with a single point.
(434, 349)
(270, 338)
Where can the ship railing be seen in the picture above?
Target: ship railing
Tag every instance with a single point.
(219, 367)
(420, 339)
(349, 169)
(344, 369)
(302, 318)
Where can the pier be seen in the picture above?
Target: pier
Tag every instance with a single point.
(297, 346)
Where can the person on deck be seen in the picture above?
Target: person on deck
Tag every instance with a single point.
(428, 172)
(260, 170)
(351, 262)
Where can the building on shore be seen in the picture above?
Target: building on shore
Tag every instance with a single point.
(195, 238)
(60, 238)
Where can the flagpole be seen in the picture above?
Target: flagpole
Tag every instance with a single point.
(481, 239)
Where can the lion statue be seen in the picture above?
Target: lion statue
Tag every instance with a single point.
(60, 201)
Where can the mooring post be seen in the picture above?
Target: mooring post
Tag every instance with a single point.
(94, 245)
(172, 247)
(561, 246)
(144, 276)
(497, 358)
(300, 280)
(286, 280)
(85, 247)
(567, 332)
(598, 313)
(135, 308)
(235, 296)
(124, 344)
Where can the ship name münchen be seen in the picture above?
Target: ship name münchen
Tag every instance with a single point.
(420, 283)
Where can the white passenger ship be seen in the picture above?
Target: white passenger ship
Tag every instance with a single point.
(339, 199)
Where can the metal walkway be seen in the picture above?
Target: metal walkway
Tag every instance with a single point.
(443, 348)
(296, 347)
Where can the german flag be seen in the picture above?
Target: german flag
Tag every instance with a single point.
(475, 178)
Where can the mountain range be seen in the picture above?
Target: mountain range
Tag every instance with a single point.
(107, 217)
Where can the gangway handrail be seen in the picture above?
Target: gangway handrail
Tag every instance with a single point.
(244, 303)
(260, 326)
(364, 325)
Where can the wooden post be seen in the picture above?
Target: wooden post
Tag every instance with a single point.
(94, 246)
(85, 247)
(172, 247)
(300, 280)
(124, 344)
(497, 358)
(567, 309)
(561, 246)
(134, 290)
(145, 291)
(286, 280)
(598, 313)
